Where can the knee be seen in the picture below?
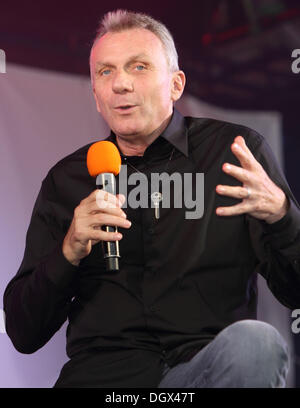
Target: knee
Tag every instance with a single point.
(257, 335)
(258, 339)
(257, 350)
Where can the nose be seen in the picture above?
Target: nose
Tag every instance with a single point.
(122, 82)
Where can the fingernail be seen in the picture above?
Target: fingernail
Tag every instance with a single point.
(227, 167)
(124, 215)
(236, 146)
(119, 236)
(128, 223)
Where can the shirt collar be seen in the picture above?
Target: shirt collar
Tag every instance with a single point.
(175, 133)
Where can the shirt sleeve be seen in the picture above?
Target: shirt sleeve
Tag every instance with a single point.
(37, 300)
(277, 245)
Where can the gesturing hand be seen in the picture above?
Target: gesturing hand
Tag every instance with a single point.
(261, 197)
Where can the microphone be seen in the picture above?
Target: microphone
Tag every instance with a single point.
(104, 163)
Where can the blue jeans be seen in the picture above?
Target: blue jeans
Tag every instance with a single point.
(247, 353)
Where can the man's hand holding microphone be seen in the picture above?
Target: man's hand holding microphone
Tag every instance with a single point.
(101, 209)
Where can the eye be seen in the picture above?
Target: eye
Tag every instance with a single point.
(105, 72)
(140, 67)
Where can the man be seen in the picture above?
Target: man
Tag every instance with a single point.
(181, 311)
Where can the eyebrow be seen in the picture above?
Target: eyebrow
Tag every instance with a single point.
(130, 60)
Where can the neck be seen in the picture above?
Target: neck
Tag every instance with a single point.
(137, 144)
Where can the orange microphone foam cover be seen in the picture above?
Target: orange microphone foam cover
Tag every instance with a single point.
(103, 157)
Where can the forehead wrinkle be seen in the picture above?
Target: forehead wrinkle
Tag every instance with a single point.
(130, 59)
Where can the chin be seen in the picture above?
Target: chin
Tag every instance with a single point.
(127, 130)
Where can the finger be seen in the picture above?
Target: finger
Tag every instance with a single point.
(98, 220)
(233, 191)
(95, 207)
(102, 195)
(100, 200)
(238, 209)
(243, 153)
(100, 235)
(121, 199)
(237, 172)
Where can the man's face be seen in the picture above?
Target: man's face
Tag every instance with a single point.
(133, 85)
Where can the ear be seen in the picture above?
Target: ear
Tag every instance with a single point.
(95, 96)
(177, 86)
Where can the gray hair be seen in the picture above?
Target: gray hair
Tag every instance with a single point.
(121, 20)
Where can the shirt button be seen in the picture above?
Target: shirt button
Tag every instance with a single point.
(151, 231)
(296, 262)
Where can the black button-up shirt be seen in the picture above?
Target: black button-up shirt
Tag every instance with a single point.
(181, 279)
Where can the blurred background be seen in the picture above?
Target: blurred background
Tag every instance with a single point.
(237, 56)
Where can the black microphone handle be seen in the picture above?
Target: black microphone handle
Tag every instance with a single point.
(111, 252)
